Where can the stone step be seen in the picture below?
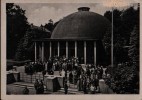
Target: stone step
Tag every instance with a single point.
(31, 86)
(22, 84)
(71, 91)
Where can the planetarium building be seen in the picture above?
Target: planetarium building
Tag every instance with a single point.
(79, 34)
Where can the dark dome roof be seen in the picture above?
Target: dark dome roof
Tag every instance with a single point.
(81, 25)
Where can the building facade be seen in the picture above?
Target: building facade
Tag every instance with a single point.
(79, 34)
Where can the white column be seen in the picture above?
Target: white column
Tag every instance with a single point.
(95, 53)
(75, 49)
(42, 53)
(66, 49)
(35, 52)
(50, 49)
(58, 49)
(84, 52)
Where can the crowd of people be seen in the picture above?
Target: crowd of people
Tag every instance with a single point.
(52, 64)
(33, 67)
(86, 79)
(61, 63)
(89, 79)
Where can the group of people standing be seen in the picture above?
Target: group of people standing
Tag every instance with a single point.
(39, 86)
(59, 63)
(86, 79)
(33, 67)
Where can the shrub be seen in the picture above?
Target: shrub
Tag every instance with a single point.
(124, 78)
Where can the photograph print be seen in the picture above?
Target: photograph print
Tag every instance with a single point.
(72, 48)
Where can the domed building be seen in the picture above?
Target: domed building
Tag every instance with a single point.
(78, 34)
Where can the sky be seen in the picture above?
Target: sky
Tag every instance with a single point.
(40, 13)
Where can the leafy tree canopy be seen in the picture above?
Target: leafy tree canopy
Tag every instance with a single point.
(16, 27)
(124, 22)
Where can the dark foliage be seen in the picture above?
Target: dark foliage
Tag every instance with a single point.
(17, 25)
(50, 25)
(124, 79)
(134, 45)
(25, 49)
(124, 75)
(123, 23)
(33, 68)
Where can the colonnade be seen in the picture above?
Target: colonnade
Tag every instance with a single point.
(58, 50)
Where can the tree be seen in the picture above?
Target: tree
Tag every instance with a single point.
(117, 39)
(124, 79)
(16, 27)
(107, 45)
(134, 45)
(49, 26)
(25, 49)
(124, 22)
(116, 17)
(108, 15)
(125, 75)
(130, 18)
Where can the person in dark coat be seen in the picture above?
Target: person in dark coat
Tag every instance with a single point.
(85, 86)
(69, 64)
(26, 90)
(70, 77)
(41, 87)
(96, 82)
(101, 72)
(66, 88)
(36, 85)
(50, 63)
(106, 72)
(43, 73)
(88, 72)
(79, 84)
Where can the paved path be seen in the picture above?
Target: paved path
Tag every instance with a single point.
(17, 88)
